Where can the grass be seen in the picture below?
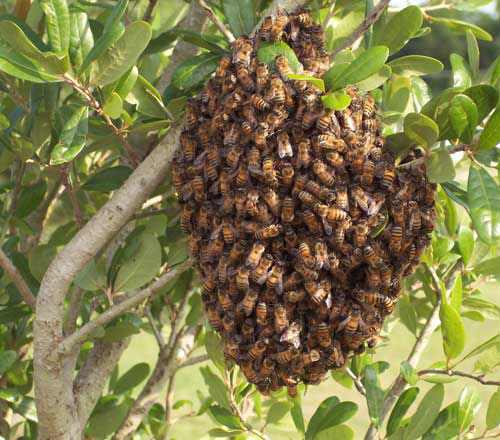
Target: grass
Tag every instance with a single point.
(189, 380)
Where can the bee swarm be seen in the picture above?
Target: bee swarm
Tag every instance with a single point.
(301, 226)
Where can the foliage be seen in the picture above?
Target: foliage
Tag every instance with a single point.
(81, 104)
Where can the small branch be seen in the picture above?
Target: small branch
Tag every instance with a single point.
(357, 383)
(362, 28)
(420, 160)
(480, 379)
(330, 14)
(74, 202)
(168, 404)
(78, 336)
(154, 327)
(194, 360)
(149, 10)
(213, 17)
(17, 279)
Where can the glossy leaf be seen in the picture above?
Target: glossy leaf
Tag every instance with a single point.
(409, 373)
(421, 129)
(142, 266)
(483, 195)
(58, 24)
(206, 41)
(426, 413)
(298, 417)
(453, 331)
(132, 378)
(493, 413)
(445, 426)
(437, 110)
(402, 406)
(464, 117)
(461, 71)
(440, 167)
(331, 76)
(490, 136)
(195, 70)
(468, 406)
(147, 99)
(268, 52)
(485, 98)
(222, 433)
(374, 395)
(415, 65)
(318, 82)
(225, 417)
(92, 277)
(277, 411)
(376, 80)
(241, 16)
(456, 294)
(400, 144)
(72, 137)
(457, 194)
(113, 106)
(462, 27)
(7, 359)
(339, 414)
(81, 38)
(488, 267)
(481, 348)
(473, 53)
(107, 180)
(29, 198)
(339, 432)
(107, 421)
(216, 387)
(466, 243)
(119, 331)
(20, 67)
(39, 259)
(319, 415)
(400, 28)
(213, 346)
(336, 100)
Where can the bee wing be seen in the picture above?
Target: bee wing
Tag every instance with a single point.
(264, 277)
(216, 232)
(327, 226)
(343, 323)
(374, 206)
(279, 285)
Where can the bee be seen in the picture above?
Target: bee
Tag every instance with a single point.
(233, 157)
(259, 103)
(397, 211)
(209, 284)
(368, 106)
(232, 102)
(277, 91)
(292, 390)
(214, 318)
(268, 232)
(371, 256)
(292, 335)
(249, 371)
(352, 322)
(334, 159)
(335, 357)
(275, 279)
(255, 255)
(280, 319)
(360, 197)
(307, 273)
(388, 178)
(329, 142)
(283, 357)
(396, 239)
(308, 119)
(342, 200)
(229, 83)
(261, 313)
(223, 66)
(272, 200)
(188, 211)
(321, 255)
(307, 198)
(415, 217)
(257, 350)
(188, 145)
(198, 185)
(225, 302)
(312, 222)
(368, 173)
(323, 335)
(244, 48)
(348, 120)
(295, 296)
(306, 255)
(283, 67)
(284, 146)
(191, 115)
(304, 154)
(263, 215)
(254, 166)
(249, 300)
(268, 366)
(321, 170)
(337, 215)
(261, 74)
(288, 210)
(261, 134)
(251, 203)
(278, 27)
(318, 293)
(375, 203)
(287, 173)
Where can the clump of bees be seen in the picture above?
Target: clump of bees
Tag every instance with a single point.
(300, 224)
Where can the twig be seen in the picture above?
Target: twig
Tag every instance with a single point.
(454, 149)
(149, 10)
(493, 435)
(362, 28)
(213, 17)
(168, 404)
(74, 203)
(194, 360)
(480, 379)
(117, 310)
(154, 327)
(357, 383)
(17, 279)
(330, 14)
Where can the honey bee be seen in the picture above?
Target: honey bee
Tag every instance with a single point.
(249, 300)
(368, 173)
(321, 255)
(318, 294)
(336, 215)
(233, 157)
(229, 83)
(191, 115)
(292, 335)
(373, 277)
(261, 313)
(361, 197)
(278, 27)
(309, 118)
(261, 74)
(244, 48)
(225, 302)
(198, 185)
(283, 67)
(323, 335)
(334, 159)
(388, 178)
(251, 203)
(254, 166)
(272, 200)
(415, 217)
(335, 357)
(307, 198)
(264, 216)
(295, 296)
(288, 210)
(188, 145)
(306, 255)
(329, 142)
(284, 146)
(312, 222)
(371, 256)
(292, 390)
(275, 279)
(307, 273)
(268, 366)
(304, 154)
(268, 232)
(261, 134)
(249, 372)
(255, 255)
(283, 357)
(188, 211)
(214, 318)
(352, 322)
(287, 173)
(259, 103)
(277, 91)
(397, 211)
(257, 350)
(321, 170)
(209, 284)
(396, 239)
(348, 120)
(245, 78)
(223, 66)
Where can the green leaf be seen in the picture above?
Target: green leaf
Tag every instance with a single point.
(206, 41)
(298, 417)
(376, 80)
(72, 137)
(142, 266)
(213, 346)
(407, 314)
(339, 432)
(39, 259)
(132, 378)
(464, 117)
(113, 30)
(460, 70)
(20, 67)
(108, 179)
(483, 195)
(421, 129)
(409, 373)
(399, 144)
(336, 101)
(113, 106)
(488, 267)
(119, 331)
(337, 415)
(456, 294)
(58, 24)
(331, 76)
(241, 16)
(81, 38)
(364, 66)
(7, 359)
(493, 72)
(453, 331)
(481, 348)
(268, 52)
(426, 413)
(147, 99)
(107, 421)
(437, 109)
(473, 53)
(319, 415)
(318, 82)
(440, 167)
(402, 406)
(493, 414)
(490, 136)
(195, 70)
(216, 387)
(92, 277)
(415, 65)
(124, 53)
(29, 198)
(127, 82)
(468, 406)
(486, 308)
(225, 417)
(462, 27)
(277, 411)
(445, 426)
(457, 194)
(451, 220)
(374, 395)
(220, 433)
(485, 97)
(400, 28)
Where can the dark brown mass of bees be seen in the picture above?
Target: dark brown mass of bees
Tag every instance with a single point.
(300, 225)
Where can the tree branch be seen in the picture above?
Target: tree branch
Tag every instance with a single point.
(362, 28)
(215, 20)
(154, 327)
(480, 379)
(17, 279)
(117, 310)
(194, 360)
(357, 383)
(330, 14)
